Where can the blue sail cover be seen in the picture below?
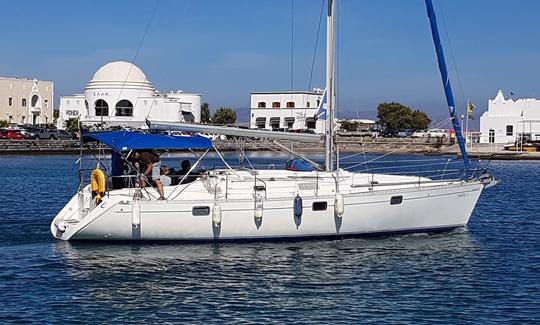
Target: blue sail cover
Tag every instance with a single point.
(126, 140)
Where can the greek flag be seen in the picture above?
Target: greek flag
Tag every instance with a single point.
(321, 113)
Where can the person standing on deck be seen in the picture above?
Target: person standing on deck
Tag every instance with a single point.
(153, 164)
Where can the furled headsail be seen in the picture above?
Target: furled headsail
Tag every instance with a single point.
(446, 81)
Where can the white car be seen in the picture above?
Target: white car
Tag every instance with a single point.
(419, 134)
(437, 133)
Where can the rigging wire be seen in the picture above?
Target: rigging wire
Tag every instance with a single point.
(451, 52)
(147, 28)
(316, 45)
(292, 47)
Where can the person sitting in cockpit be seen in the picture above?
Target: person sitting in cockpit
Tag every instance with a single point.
(185, 166)
(164, 176)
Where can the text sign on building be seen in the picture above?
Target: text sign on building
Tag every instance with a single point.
(72, 112)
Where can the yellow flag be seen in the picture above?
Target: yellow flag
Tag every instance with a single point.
(470, 110)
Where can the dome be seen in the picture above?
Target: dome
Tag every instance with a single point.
(120, 74)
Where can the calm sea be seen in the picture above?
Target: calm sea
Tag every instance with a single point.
(486, 273)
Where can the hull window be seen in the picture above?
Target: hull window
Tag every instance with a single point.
(201, 211)
(396, 200)
(259, 188)
(319, 206)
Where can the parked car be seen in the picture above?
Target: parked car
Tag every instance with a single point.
(29, 134)
(405, 133)
(53, 134)
(437, 133)
(419, 134)
(390, 133)
(11, 135)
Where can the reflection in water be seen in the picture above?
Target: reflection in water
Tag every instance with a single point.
(226, 280)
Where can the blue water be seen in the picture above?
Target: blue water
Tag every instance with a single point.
(487, 273)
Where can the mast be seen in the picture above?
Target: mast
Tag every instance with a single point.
(446, 81)
(330, 83)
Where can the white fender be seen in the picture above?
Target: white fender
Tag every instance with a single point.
(136, 213)
(216, 215)
(339, 205)
(258, 207)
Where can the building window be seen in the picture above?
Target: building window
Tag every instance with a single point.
(311, 123)
(261, 105)
(10, 101)
(102, 108)
(318, 102)
(510, 130)
(34, 101)
(276, 105)
(491, 136)
(124, 108)
(289, 122)
(46, 103)
(260, 122)
(274, 123)
(23, 102)
(307, 104)
(290, 104)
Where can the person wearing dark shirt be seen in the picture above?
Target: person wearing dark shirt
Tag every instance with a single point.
(179, 176)
(153, 164)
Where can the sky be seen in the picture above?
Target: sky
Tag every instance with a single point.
(227, 49)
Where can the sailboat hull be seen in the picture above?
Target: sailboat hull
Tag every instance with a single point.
(424, 209)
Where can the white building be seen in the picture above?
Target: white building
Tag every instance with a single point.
(286, 110)
(26, 101)
(120, 94)
(507, 119)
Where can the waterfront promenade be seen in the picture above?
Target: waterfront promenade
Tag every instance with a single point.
(346, 144)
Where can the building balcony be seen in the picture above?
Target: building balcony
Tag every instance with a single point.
(35, 110)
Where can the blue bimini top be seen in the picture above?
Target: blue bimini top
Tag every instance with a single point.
(121, 141)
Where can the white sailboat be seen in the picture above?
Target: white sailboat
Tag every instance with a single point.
(259, 204)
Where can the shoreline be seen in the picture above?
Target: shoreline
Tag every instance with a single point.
(435, 147)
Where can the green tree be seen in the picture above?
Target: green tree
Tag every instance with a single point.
(420, 120)
(3, 123)
(205, 113)
(72, 124)
(224, 115)
(395, 116)
(350, 126)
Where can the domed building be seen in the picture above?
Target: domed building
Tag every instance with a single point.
(120, 94)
